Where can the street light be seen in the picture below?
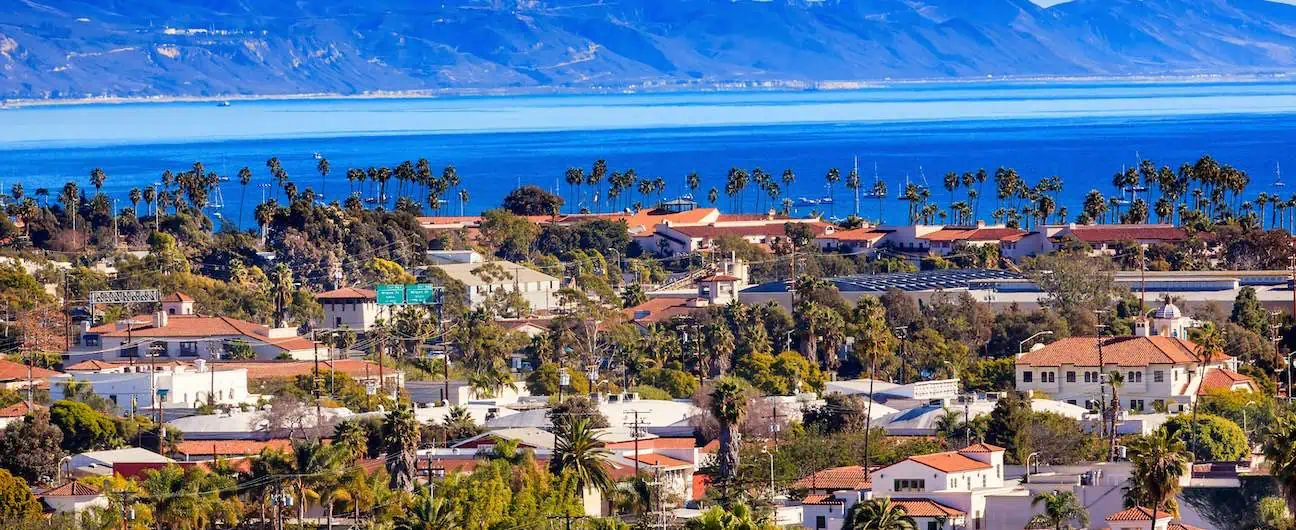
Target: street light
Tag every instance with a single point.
(766, 451)
(1022, 345)
(1034, 455)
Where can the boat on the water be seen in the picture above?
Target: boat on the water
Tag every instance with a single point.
(223, 104)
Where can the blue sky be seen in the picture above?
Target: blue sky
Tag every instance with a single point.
(1047, 3)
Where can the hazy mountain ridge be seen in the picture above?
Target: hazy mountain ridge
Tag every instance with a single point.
(78, 48)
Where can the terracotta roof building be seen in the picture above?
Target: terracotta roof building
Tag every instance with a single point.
(178, 331)
(1159, 372)
(834, 479)
(15, 375)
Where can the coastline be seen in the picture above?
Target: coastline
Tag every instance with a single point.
(651, 88)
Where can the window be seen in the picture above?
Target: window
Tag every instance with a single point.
(337, 322)
(953, 483)
(1158, 376)
(820, 522)
(1088, 378)
(1071, 402)
(1027, 377)
(131, 351)
(983, 481)
(170, 310)
(910, 484)
(1052, 377)
(189, 349)
(1071, 377)
(932, 525)
(1136, 404)
(91, 340)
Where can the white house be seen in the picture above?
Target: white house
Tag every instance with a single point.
(830, 493)
(349, 307)
(178, 385)
(1160, 367)
(944, 491)
(100, 463)
(1140, 518)
(483, 279)
(72, 497)
(178, 331)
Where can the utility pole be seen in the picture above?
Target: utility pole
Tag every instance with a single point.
(315, 383)
(635, 425)
(1102, 389)
(902, 333)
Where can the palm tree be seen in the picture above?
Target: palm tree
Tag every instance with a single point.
(579, 453)
(833, 176)
(400, 437)
(97, 178)
(427, 512)
(282, 285)
(949, 424)
(878, 514)
(1160, 460)
(312, 463)
(853, 183)
(1060, 509)
(323, 168)
(713, 195)
(575, 176)
(729, 406)
(693, 180)
(1280, 454)
(135, 195)
(737, 517)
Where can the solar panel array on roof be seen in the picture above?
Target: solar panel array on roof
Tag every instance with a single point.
(904, 281)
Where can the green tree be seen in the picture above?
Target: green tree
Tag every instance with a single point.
(579, 453)
(426, 512)
(84, 429)
(878, 514)
(1249, 313)
(1280, 454)
(400, 438)
(737, 517)
(32, 448)
(1061, 508)
(728, 405)
(1214, 439)
(531, 200)
(510, 235)
(1160, 459)
(17, 503)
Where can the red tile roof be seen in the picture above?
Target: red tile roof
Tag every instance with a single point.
(17, 410)
(926, 508)
(1222, 379)
(1137, 513)
(975, 234)
(949, 462)
(821, 500)
(654, 459)
(92, 365)
(12, 371)
(720, 278)
(733, 217)
(982, 448)
(661, 309)
(229, 447)
(204, 327)
(1120, 351)
(1116, 233)
(819, 228)
(347, 293)
(177, 297)
(1181, 526)
(837, 478)
(70, 488)
(858, 234)
(269, 369)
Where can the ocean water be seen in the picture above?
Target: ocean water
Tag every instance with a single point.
(1083, 132)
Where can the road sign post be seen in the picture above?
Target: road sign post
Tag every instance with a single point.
(389, 294)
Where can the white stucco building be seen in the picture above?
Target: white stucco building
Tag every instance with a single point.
(178, 385)
(178, 331)
(483, 279)
(1159, 366)
(349, 308)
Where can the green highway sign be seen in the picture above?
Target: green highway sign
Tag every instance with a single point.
(420, 293)
(391, 294)
(413, 294)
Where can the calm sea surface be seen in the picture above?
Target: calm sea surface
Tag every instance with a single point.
(1082, 132)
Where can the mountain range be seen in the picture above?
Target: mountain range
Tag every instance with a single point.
(213, 48)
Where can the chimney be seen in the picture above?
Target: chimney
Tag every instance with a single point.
(160, 319)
